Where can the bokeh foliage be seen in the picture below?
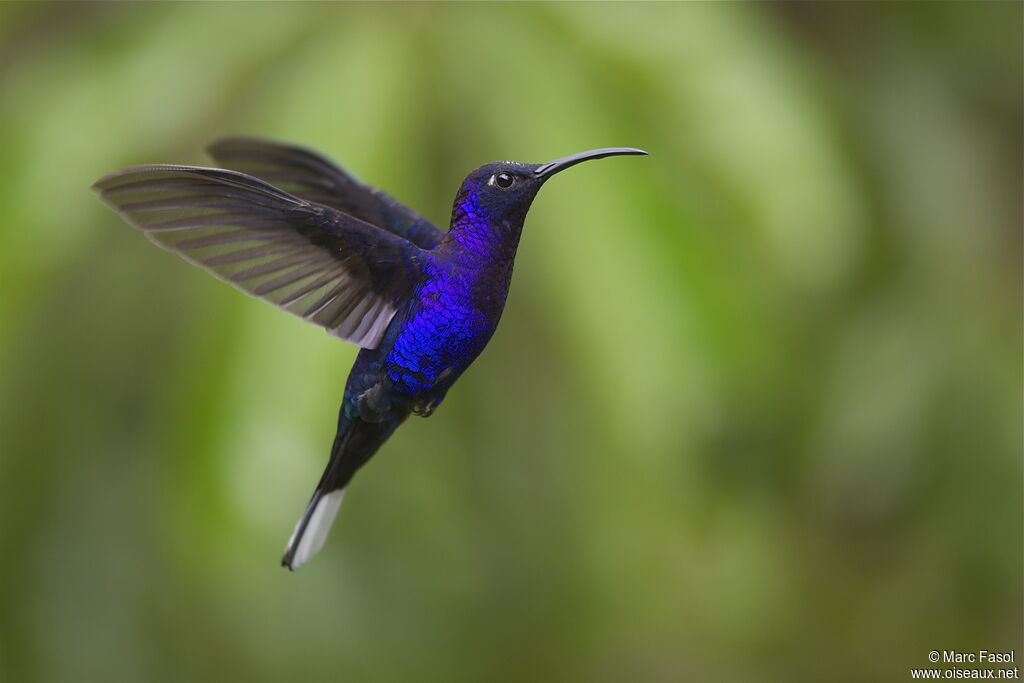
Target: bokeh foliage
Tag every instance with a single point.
(753, 414)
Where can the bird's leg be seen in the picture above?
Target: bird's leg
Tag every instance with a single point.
(426, 406)
(374, 405)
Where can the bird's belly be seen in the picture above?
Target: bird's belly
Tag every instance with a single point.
(438, 340)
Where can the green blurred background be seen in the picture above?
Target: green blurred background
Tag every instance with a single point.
(753, 414)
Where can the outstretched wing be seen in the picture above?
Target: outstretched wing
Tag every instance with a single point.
(325, 266)
(311, 176)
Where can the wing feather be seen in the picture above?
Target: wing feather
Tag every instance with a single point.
(315, 262)
(309, 175)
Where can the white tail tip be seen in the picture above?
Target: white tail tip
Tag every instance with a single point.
(311, 531)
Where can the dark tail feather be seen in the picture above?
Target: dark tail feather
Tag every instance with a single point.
(355, 443)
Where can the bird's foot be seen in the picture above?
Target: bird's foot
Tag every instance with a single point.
(425, 408)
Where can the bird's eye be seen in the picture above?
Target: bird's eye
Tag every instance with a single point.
(503, 180)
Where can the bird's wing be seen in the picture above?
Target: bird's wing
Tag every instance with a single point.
(325, 266)
(311, 176)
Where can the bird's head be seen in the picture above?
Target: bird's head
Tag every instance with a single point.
(500, 193)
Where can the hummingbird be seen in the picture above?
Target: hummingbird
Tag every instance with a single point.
(287, 225)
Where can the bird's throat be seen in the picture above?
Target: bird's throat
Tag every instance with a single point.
(477, 238)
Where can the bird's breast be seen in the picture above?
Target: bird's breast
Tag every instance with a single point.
(447, 324)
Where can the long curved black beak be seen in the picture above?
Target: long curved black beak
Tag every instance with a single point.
(545, 171)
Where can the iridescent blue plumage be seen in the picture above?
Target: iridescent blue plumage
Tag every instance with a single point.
(455, 309)
(289, 226)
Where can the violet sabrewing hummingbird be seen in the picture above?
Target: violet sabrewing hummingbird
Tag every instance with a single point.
(289, 226)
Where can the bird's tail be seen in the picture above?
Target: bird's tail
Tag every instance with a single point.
(356, 441)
